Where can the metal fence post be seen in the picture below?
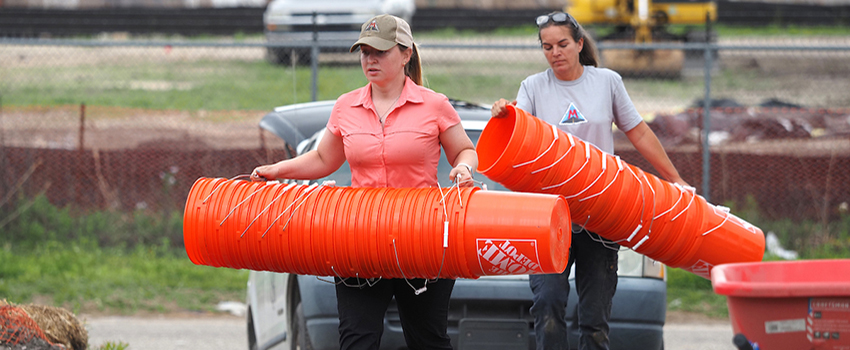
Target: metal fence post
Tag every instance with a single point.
(706, 119)
(314, 60)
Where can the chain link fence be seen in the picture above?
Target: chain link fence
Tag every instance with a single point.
(114, 123)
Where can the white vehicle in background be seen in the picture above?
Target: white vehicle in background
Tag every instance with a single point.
(290, 25)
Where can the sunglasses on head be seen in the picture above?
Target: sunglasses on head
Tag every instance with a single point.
(557, 17)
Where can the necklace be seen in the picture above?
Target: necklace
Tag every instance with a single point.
(382, 117)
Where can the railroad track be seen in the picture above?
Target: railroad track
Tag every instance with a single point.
(31, 22)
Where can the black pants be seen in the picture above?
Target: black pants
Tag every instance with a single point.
(424, 317)
(596, 282)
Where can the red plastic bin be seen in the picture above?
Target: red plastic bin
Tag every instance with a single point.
(788, 304)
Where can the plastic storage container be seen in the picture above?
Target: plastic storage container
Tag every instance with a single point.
(788, 304)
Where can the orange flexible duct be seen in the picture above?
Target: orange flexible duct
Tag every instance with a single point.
(374, 232)
(614, 199)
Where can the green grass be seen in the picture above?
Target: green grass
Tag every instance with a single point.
(107, 261)
(204, 85)
(690, 293)
(84, 277)
(44, 222)
(113, 346)
(232, 85)
(780, 30)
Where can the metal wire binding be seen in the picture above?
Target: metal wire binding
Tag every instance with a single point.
(643, 206)
(457, 185)
(693, 196)
(440, 271)
(398, 263)
(309, 189)
(443, 201)
(604, 168)
(653, 204)
(443, 196)
(240, 203)
(582, 226)
(445, 238)
(292, 213)
(475, 182)
(445, 220)
(221, 184)
(602, 241)
(597, 240)
(554, 131)
(639, 243)
(572, 144)
(649, 229)
(445, 228)
(586, 160)
(725, 218)
(266, 208)
(619, 170)
(681, 194)
(556, 161)
(342, 280)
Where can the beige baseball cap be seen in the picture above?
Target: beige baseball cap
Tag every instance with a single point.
(383, 32)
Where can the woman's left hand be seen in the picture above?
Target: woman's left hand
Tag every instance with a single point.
(462, 175)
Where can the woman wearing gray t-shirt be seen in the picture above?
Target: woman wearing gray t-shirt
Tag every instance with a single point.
(582, 100)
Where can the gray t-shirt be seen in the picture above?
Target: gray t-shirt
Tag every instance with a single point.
(585, 107)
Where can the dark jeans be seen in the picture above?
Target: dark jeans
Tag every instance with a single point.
(596, 282)
(424, 317)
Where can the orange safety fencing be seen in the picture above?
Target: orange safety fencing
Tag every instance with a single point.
(18, 329)
(614, 199)
(374, 232)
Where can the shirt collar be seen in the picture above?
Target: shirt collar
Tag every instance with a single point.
(410, 93)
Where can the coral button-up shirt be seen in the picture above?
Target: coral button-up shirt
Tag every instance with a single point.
(403, 152)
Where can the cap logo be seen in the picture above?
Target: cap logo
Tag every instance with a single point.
(372, 27)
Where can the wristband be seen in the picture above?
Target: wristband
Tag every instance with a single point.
(468, 167)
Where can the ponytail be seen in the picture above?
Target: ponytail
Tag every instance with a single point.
(588, 56)
(413, 69)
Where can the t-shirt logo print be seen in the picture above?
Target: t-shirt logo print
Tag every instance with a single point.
(372, 27)
(572, 116)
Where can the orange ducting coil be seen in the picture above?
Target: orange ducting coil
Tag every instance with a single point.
(374, 232)
(618, 201)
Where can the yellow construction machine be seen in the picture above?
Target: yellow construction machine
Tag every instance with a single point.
(646, 21)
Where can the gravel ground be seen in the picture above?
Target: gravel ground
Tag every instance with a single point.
(181, 332)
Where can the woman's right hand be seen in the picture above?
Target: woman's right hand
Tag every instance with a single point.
(499, 109)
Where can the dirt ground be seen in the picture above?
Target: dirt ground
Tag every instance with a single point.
(107, 128)
(222, 331)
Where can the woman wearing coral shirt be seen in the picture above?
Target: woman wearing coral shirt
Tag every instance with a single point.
(390, 132)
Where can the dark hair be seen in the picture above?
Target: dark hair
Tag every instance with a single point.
(413, 69)
(588, 55)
